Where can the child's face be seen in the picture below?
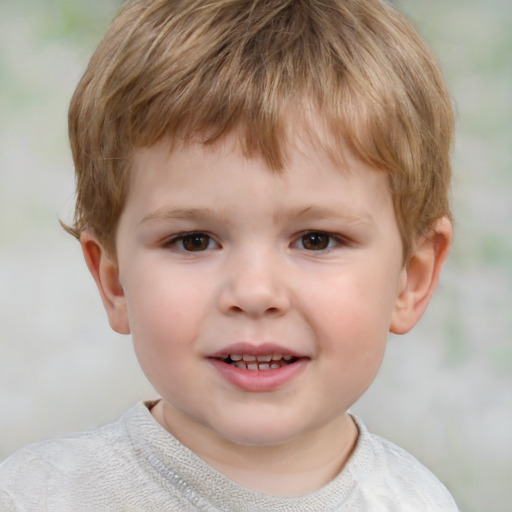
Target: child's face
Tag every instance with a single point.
(220, 257)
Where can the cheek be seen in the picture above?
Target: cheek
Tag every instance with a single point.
(352, 305)
(352, 343)
(159, 298)
(351, 324)
(163, 329)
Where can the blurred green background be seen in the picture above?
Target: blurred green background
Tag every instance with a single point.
(444, 391)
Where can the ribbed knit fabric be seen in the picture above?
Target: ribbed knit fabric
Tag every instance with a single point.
(136, 465)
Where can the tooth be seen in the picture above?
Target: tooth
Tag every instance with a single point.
(277, 357)
(264, 359)
(247, 357)
(235, 357)
(264, 366)
(252, 366)
(287, 358)
(241, 364)
(275, 366)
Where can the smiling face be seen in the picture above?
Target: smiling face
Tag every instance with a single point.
(221, 260)
(259, 303)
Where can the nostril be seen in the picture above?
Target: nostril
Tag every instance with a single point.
(271, 311)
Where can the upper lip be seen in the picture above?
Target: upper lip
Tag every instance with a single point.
(255, 349)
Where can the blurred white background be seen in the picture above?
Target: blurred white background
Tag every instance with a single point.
(444, 391)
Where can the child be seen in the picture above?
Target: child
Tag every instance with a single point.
(262, 196)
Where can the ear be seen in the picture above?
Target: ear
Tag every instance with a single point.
(105, 271)
(420, 276)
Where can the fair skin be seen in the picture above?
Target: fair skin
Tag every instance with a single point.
(299, 274)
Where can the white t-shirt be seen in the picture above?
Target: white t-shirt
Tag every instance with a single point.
(136, 465)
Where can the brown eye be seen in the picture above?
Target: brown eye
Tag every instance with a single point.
(316, 241)
(195, 242)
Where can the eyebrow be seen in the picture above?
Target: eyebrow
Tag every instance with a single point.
(312, 212)
(316, 212)
(170, 214)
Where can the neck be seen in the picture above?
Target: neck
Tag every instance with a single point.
(295, 468)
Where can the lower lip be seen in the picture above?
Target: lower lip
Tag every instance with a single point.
(259, 380)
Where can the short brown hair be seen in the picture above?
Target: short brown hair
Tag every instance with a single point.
(198, 69)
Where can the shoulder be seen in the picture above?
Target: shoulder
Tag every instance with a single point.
(395, 478)
(67, 451)
(45, 474)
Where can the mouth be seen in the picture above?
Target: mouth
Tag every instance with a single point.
(259, 368)
(258, 363)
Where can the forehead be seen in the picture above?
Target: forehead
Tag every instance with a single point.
(193, 173)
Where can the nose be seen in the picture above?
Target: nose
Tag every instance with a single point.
(255, 286)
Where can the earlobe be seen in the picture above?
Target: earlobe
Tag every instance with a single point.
(420, 276)
(106, 276)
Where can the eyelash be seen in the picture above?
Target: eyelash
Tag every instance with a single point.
(324, 240)
(178, 241)
(332, 240)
